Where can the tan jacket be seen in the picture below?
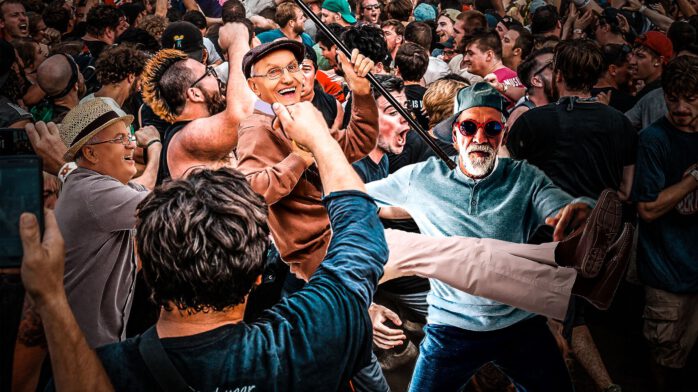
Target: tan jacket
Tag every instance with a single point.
(297, 219)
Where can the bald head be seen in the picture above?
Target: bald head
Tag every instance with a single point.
(54, 74)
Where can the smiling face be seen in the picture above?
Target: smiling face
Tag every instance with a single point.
(682, 112)
(477, 61)
(478, 152)
(113, 158)
(444, 28)
(287, 88)
(392, 127)
(14, 22)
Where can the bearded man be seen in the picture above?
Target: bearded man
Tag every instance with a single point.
(484, 197)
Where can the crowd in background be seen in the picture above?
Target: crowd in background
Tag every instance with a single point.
(595, 94)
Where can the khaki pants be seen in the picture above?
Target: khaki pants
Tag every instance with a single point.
(671, 325)
(521, 275)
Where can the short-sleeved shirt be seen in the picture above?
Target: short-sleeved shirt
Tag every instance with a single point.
(97, 217)
(415, 104)
(272, 35)
(313, 340)
(369, 170)
(667, 252)
(583, 147)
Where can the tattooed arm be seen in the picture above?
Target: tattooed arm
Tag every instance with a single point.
(30, 350)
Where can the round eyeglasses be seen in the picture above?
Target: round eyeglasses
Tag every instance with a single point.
(469, 127)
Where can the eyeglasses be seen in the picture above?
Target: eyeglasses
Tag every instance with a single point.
(122, 138)
(276, 73)
(469, 127)
(371, 7)
(549, 64)
(209, 71)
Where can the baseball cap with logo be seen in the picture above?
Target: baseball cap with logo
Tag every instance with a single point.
(341, 6)
(478, 95)
(86, 120)
(658, 43)
(186, 37)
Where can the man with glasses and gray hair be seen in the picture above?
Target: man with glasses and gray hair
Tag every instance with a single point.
(96, 215)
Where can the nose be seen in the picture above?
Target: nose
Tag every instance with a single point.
(286, 76)
(480, 137)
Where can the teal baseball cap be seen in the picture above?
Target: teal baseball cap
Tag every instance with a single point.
(341, 6)
(478, 95)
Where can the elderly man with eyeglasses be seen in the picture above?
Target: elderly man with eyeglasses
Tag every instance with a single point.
(96, 214)
(284, 172)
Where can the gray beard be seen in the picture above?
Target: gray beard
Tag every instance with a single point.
(479, 167)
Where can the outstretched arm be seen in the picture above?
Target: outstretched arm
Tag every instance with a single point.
(75, 366)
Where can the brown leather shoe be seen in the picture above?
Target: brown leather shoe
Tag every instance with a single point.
(599, 291)
(584, 250)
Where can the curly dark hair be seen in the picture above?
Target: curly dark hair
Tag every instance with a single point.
(164, 80)
(370, 41)
(398, 9)
(57, 17)
(202, 240)
(102, 17)
(680, 77)
(580, 62)
(117, 62)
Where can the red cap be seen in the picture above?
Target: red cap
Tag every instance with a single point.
(658, 42)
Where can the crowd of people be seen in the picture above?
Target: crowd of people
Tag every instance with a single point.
(232, 201)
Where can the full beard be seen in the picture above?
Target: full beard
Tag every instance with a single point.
(215, 102)
(478, 166)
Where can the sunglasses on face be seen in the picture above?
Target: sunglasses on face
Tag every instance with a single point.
(469, 127)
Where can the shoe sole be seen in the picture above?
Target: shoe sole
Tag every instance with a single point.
(614, 271)
(608, 226)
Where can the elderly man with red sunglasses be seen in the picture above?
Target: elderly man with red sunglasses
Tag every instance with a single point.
(486, 197)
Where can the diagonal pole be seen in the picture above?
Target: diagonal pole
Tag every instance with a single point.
(372, 79)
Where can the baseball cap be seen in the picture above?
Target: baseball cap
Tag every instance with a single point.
(341, 6)
(258, 52)
(657, 42)
(186, 37)
(478, 95)
(450, 13)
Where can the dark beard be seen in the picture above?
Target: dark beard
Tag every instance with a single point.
(215, 103)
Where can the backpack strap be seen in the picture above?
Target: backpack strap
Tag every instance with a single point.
(159, 364)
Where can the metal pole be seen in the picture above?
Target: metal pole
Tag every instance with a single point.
(372, 79)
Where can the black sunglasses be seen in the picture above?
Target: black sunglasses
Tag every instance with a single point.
(469, 127)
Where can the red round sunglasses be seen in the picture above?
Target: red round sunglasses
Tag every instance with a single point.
(469, 127)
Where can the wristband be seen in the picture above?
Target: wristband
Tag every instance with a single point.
(150, 143)
(694, 173)
(66, 169)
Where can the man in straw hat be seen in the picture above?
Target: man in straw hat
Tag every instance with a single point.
(96, 214)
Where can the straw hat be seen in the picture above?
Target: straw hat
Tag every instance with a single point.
(86, 120)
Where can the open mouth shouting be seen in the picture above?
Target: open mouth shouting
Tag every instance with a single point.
(23, 29)
(401, 139)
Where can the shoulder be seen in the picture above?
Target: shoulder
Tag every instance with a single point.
(655, 133)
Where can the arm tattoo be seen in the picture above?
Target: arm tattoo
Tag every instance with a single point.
(31, 330)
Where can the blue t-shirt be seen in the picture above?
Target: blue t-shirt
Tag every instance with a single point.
(370, 171)
(507, 205)
(271, 35)
(314, 340)
(667, 251)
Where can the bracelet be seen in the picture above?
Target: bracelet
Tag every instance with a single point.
(577, 31)
(66, 169)
(150, 143)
